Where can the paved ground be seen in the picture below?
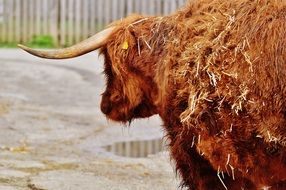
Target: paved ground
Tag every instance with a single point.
(53, 133)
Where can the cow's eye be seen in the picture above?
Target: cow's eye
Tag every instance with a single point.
(115, 98)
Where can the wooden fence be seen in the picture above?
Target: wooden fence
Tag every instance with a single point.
(69, 21)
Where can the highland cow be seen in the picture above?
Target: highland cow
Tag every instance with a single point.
(215, 72)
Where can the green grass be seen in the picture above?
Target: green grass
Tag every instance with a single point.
(8, 45)
(37, 41)
(44, 41)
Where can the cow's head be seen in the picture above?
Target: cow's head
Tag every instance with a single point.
(130, 87)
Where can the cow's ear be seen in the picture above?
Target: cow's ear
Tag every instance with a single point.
(127, 31)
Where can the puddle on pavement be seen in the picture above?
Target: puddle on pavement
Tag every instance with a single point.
(137, 149)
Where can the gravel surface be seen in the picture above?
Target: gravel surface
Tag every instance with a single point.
(53, 133)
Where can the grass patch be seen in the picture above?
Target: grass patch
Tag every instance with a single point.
(43, 41)
(37, 41)
(8, 45)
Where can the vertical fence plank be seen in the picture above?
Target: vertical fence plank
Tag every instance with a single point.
(17, 18)
(100, 12)
(121, 11)
(3, 22)
(63, 22)
(137, 6)
(182, 2)
(130, 6)
(10, 21)
(114, 10)
(166, 7)
(107, 11)
(144, 8)
(25, 12)
(1, 11)
(45, 16)
(173, 6)
(70, 22)
(7, 18)
(85, 18)
(92, 17)
(38, 16)
(159, 7)
(29, 21)
(151, 7)
(31, 18)
(54, 20)
(77, 20)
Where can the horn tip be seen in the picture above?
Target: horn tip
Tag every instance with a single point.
(22, 47)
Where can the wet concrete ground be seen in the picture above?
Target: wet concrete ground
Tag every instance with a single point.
(54, 137)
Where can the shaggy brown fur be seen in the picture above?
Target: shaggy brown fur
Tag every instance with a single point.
(215, 72)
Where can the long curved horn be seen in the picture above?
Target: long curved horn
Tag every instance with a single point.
(94, 42)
